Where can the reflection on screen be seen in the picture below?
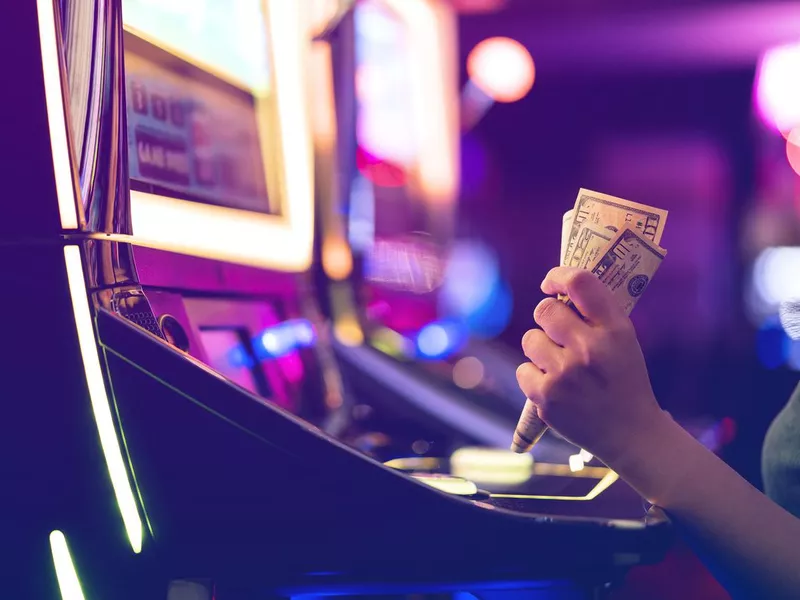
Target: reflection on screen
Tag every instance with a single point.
(220, 345)
(227, 35)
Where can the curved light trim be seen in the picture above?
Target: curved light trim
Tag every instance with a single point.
(56, 117)
(101, 407)
(68, 583)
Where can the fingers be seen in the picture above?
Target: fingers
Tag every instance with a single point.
(590, 296)
(559, 322)
(543, 352)
(530, 380)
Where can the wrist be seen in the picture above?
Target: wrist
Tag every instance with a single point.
(656, 459)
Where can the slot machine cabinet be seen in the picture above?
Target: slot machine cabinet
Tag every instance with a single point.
(136, 458)
(378, 187)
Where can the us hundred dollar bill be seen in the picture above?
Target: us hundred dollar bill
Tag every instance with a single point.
(627, 266)
(601, 211)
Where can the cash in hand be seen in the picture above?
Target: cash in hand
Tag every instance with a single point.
(618, 241)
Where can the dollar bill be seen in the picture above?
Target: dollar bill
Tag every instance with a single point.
(602, 211)
(566, 227)
(627, 266)
(591, 242)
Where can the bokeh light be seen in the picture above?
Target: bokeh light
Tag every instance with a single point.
(778, 87)
(468, 373)
(337, 260)
(775, 275)
(440, 339)
(502, 68)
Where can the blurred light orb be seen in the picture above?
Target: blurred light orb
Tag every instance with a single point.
(778, 87)
(337, 260)
(502, 68)
(472, 273)
(439, 339)
(468, 373)
(793, 148)
(775, 275)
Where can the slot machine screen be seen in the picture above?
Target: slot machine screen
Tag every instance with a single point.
(196, 73)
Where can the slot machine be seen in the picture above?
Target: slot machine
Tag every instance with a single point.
(387, 136)
(175, 411)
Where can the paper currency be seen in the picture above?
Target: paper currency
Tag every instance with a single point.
(566, 227)
(601, 211)
(627, 265)
(617, 240)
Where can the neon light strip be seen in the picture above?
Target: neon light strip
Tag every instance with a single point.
(282, 243)
(602, 485)
(100, 402)
(56, 118)
(68, 583)
(290, 49)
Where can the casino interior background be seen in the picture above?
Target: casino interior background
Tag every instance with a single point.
(315, 382)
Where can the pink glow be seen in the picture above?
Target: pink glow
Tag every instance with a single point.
(793, 149)
(778, 87)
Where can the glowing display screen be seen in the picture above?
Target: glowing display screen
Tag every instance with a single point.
(227, 35)
(196, 75)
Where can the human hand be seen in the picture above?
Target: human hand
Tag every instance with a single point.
(587, 377)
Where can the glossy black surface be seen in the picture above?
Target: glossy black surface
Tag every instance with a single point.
(239, 490)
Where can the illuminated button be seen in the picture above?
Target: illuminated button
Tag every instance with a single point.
(492, 466)
(159, 107)
(176, 113)
(174, 332)
(575, 463)
(139, 98)
(450, 485)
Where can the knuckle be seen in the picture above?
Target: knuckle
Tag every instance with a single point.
(528, 339)
(526, 382)
(582, 278)
(544, 310)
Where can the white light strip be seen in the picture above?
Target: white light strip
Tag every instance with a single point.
(68, 583)
(99, 399)
(219, 233)
(290, 50)
(56, 118)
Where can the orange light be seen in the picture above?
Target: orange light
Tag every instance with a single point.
(336, 258)
(793, 149)
(502, 68)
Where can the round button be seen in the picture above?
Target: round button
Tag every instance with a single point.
(174, 332)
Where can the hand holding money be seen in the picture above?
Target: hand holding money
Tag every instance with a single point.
(614, 240)
(587, 376)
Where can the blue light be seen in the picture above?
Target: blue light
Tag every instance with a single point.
(439, 340)
(772, 344)
(283, 338)
(239, 357)
(794, 355)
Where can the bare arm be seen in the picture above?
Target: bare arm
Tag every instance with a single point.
(589, 382)
(750, 543)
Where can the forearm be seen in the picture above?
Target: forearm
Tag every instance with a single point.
(750, 542)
